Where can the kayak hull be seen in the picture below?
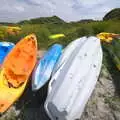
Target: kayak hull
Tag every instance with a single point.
(72, 85)
(107, 37)
(8, 95)
(43, 69)
(67, 52)
(5, 48)
(16, 70)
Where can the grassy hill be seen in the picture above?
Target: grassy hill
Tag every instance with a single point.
(71, 31)
(44, 20)
(45, 26)
(113, 15)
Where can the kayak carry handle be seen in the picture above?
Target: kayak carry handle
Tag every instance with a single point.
(50, 85)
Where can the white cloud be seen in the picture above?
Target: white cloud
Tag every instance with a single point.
(15, 10)
(19, 8)
(92, 2)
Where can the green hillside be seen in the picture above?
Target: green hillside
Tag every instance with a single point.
(43, 27)
(43, 20)
(71, 31)
(113, 15)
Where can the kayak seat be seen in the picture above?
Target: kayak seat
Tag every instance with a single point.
(14, 80)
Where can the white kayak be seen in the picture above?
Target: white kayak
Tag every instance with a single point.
(73, 82)
(67, 53)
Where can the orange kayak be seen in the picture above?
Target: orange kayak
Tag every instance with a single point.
(16, 70)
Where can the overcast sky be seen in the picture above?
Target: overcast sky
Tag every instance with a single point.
(69, 10)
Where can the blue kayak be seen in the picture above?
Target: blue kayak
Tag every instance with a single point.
(5, 48)
(44, 67)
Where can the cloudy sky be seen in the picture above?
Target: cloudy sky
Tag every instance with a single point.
(69, 10)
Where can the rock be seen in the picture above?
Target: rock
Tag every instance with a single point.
(40, 53)
(9, 115)
(117, 115)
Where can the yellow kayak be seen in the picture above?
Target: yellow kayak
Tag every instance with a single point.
(55, 36)
(13, 30)
(16, 70)
(107, 37)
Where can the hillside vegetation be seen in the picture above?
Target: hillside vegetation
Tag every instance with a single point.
(71, 31)
(43, 20)
(43, 27)
(113, 15)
